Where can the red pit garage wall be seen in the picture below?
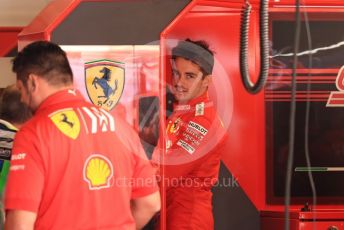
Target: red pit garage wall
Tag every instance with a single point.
(218, 23)
(244, 115)
(8, 39)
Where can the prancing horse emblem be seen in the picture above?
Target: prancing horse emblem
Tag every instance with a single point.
(104, 82)
(65, 120)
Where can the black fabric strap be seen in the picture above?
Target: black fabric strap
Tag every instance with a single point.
(195, 53)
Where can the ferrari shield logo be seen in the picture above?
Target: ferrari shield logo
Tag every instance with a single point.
(175, 126)
(67, 122)
(104, 82)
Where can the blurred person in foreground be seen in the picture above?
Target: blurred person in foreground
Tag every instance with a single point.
(13, 114)
(194, 133)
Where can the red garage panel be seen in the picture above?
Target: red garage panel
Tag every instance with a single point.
(8, 39)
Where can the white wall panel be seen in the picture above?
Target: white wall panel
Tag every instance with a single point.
(20, 12)
(7, 77)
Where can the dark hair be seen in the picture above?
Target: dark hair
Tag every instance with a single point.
(11, 108)
(45, 59)
(197, 52)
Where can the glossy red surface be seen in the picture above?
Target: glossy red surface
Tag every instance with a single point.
(8, 39)
(218, 23)
(243, 114)
(319, 219)
(46, 21)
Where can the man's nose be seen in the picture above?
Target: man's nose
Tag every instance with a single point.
(180, 80)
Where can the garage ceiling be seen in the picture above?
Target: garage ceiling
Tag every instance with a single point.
(19, 12)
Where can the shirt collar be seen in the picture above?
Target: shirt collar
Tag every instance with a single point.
(188, 106)
(60, 97)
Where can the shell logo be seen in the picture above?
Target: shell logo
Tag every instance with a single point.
(98, 172)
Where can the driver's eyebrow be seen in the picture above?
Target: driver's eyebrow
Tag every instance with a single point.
(192, 74)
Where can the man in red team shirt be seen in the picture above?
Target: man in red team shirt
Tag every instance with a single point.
(192, 159)
(74, 166)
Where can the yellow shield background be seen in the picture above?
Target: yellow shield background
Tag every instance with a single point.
(67, 122)
(104, 90)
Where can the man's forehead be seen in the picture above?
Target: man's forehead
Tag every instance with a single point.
(188, 61)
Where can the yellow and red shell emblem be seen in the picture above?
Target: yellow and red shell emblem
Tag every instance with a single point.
(98, 172)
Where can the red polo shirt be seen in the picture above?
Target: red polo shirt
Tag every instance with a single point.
(77, 167)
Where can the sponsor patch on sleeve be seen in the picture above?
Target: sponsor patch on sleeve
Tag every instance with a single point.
(17, 167)
(17, 163)
(186, 146)
(19, 156)
(199, 109)
(67, 122)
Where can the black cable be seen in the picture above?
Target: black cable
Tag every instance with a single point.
(308, 104)
(292, 116)
(264, 48)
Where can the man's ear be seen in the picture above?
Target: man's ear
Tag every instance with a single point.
(207, 80)
(32, 82)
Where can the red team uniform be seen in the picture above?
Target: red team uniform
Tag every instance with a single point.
(192, 164)
(87, 178)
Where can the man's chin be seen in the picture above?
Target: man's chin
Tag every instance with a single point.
(181, 100)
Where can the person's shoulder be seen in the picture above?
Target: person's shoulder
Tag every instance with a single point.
(40, 120)
(203, 111)
(7, 126)
(31, 124)
(203, 117)
(28, 131)
(7, 133)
